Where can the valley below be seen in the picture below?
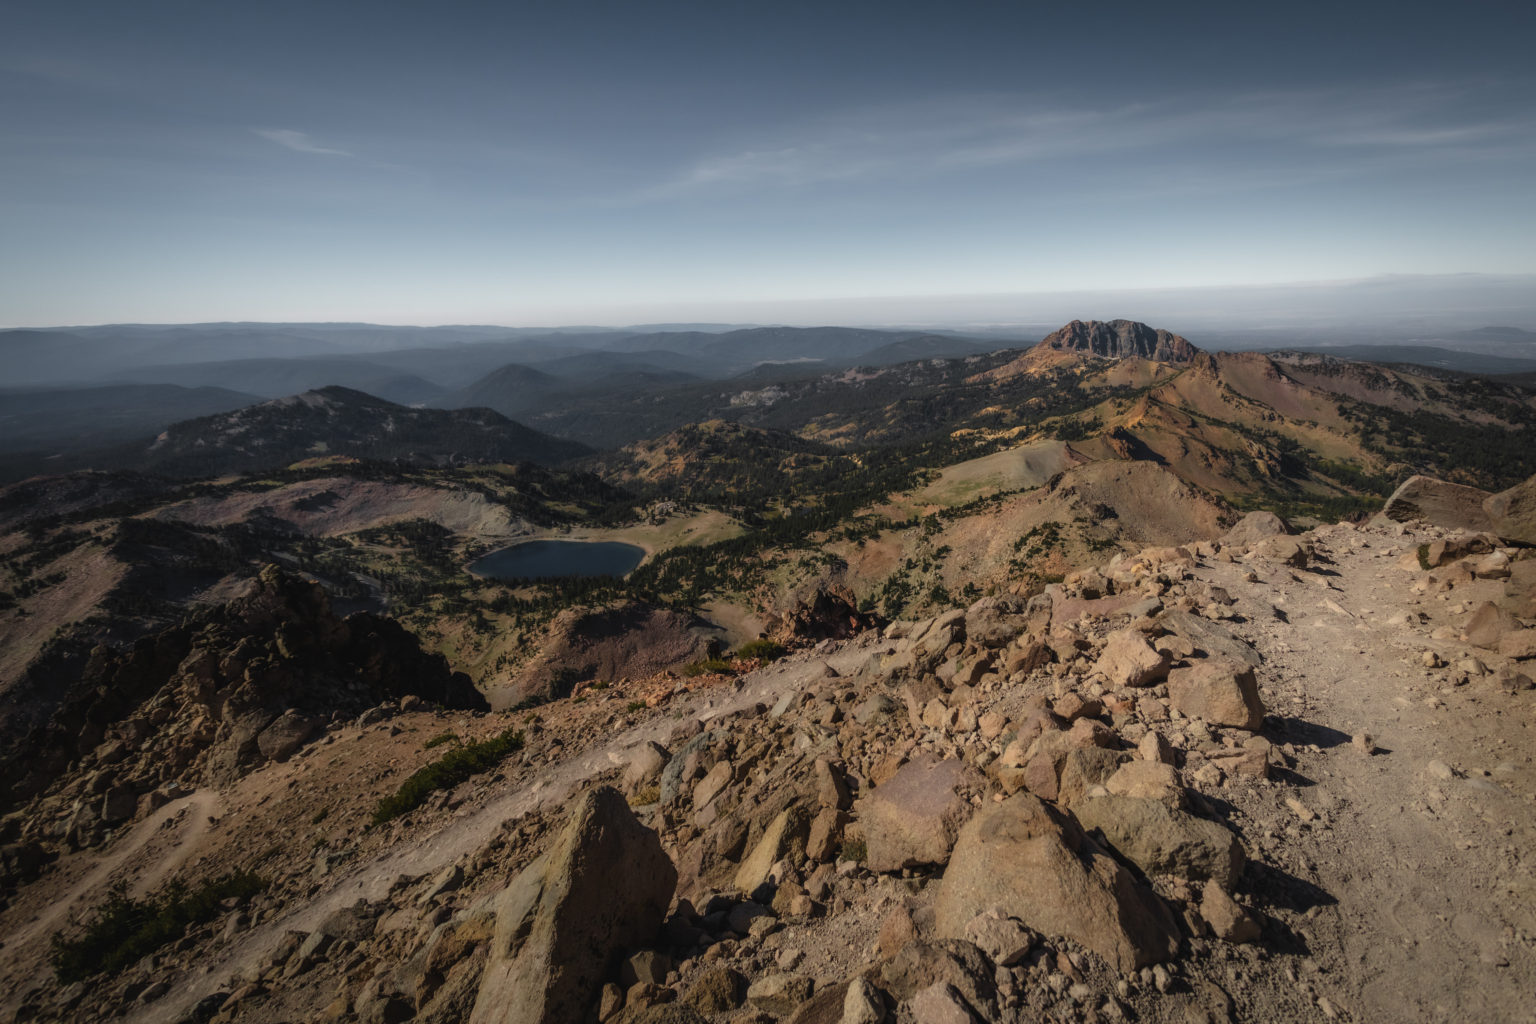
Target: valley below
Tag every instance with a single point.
(896, 677)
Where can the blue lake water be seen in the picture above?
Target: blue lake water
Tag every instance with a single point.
(540, 559)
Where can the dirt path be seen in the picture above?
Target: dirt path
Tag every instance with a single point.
(174, 830)
(1412, 871)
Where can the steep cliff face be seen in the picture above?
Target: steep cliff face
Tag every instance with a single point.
(1120, 339)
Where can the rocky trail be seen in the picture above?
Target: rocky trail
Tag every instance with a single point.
(1269, 778)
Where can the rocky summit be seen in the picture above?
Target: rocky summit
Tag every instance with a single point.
(1120, 339)
(1262, 777)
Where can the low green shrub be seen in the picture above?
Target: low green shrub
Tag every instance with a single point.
(440, 739)
(767, 650)
(125, 929)
(446, 772)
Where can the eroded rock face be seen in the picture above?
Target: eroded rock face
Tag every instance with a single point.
(601, 890)
(1035, 863)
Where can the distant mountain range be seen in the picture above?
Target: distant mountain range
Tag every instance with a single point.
(337, 421)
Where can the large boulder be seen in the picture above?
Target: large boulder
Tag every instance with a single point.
(913, 818)
(1219, 691)
(1453, 506)
(1254, 527)
(1512, 513)
(1034, 862)
(602, 889)
(1163, 841)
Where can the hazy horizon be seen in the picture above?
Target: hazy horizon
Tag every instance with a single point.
(1393, 303)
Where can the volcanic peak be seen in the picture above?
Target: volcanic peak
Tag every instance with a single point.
(1120, 339)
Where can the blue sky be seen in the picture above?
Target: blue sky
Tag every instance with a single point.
(615, 162)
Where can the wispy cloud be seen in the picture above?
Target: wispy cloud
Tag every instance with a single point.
(1311, 127)
(297, 141)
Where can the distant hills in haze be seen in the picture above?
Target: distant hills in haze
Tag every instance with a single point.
(77, 390)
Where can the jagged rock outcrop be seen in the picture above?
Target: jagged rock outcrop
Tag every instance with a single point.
(829, 612)
(1120, 339)
(243, 684)
(601, 890)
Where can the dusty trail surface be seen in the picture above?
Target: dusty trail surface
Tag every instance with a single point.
(1411, 864)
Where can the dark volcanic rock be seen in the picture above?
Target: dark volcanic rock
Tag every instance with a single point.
(1120, 339)
(241, 684)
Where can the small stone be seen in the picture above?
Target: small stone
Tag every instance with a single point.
(1439, 770)
(1363, 742)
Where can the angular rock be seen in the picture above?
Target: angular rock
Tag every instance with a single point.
(716, 990)
(285, 736)
(862, 1004)
(1519, 645)
(601, 889)
(941, 1003)
(1151, 780)
(957, 964)
(1453, 506)
(783, 838)
(711, 784)
(1035, 863)
(1003, 938)
(1512, 513)
(1292, 551)
(1219, 691)
(1229, 922)
(1129, 660)
(1487, 625)
(912, 819)
(645, 766)
(1163, 841)
(1254, 527)
(1211, 637)
(779, 994)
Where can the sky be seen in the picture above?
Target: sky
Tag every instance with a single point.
(584, 162)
